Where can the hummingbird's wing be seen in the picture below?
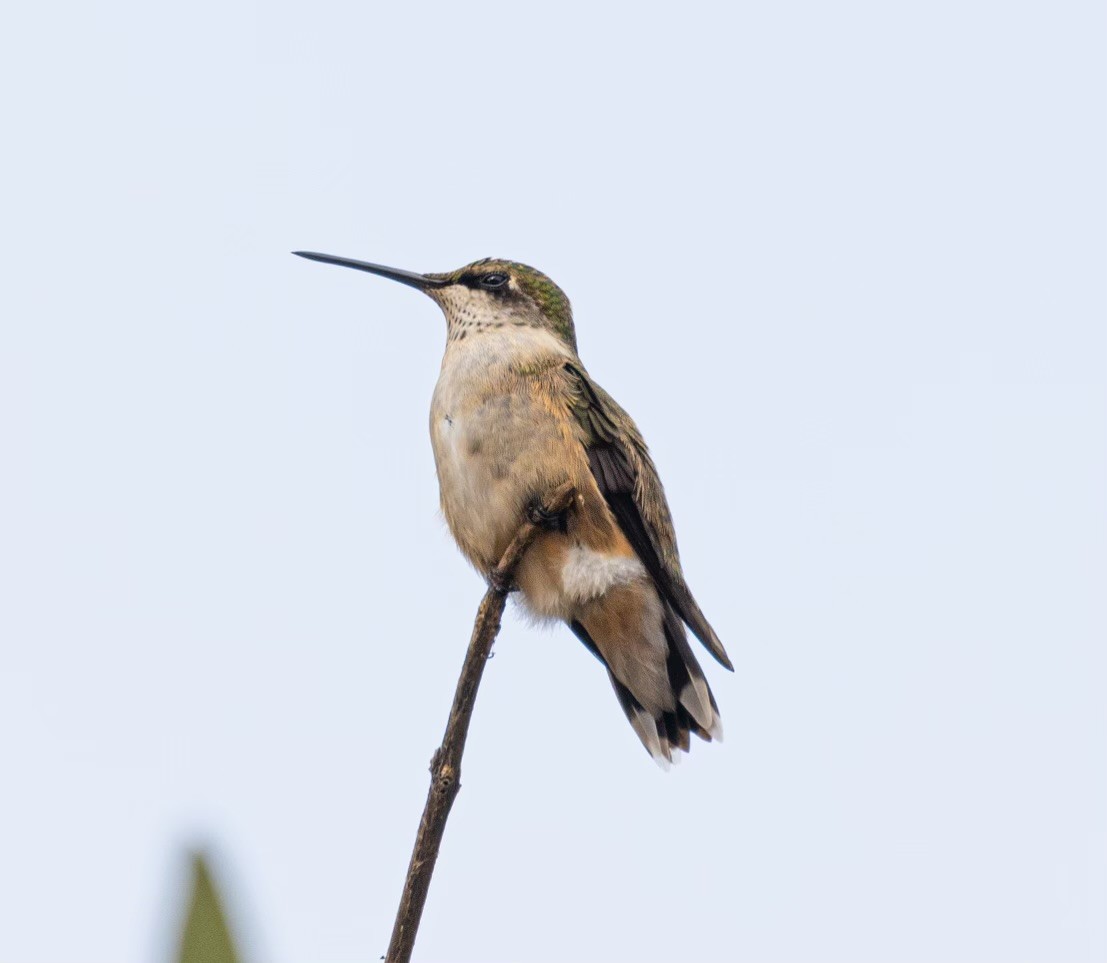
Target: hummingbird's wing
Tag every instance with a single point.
(627, 479)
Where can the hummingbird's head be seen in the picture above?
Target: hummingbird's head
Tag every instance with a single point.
(492, 293)
(484, 295)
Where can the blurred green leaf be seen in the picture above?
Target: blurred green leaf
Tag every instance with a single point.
(206, 937)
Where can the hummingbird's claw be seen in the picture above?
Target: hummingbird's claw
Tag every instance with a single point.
(553, 521)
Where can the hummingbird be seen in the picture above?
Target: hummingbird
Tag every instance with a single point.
(514, 415)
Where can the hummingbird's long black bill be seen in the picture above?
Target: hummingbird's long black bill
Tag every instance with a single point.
(410, 278)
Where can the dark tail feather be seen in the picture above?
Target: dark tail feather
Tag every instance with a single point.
(695, 708)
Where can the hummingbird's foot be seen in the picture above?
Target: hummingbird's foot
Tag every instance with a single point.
(551, 521)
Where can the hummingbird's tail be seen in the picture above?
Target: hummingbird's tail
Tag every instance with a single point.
(664, 720)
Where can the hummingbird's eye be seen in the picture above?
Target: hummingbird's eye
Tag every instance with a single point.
(493, 281)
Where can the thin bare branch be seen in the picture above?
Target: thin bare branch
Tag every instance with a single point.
(445, 766)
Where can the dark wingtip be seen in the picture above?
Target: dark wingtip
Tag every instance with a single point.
(715, 647)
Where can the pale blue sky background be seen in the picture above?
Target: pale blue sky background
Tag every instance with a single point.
(845, 265)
